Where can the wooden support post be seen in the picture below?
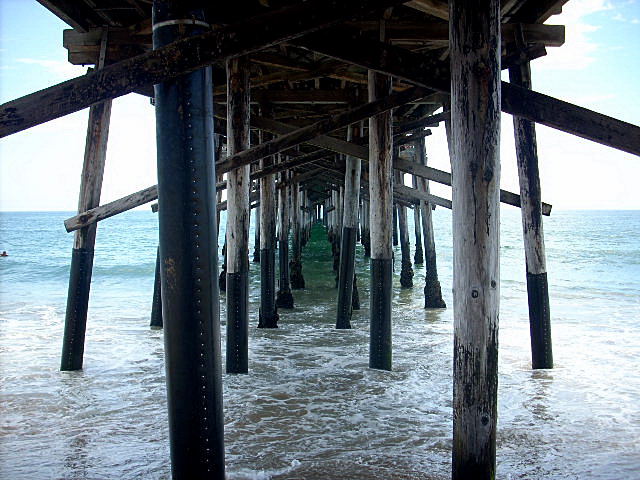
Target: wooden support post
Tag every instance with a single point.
(406, 270)
(284, 298)
(395, 226)
(295, 265)
(531, 198)
(381, 216)
(188, 245)
(268, 316)
(256, 238)
(338, 231)
(75, 322)
(156, 306)
(432, 290)
(238, 214)
(418, 256)
(346, 278)
(366, 233)
(474, 42)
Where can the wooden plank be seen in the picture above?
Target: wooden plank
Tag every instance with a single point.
(178, 58)
(524, 103)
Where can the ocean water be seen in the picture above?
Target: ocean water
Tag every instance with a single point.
(310, 408)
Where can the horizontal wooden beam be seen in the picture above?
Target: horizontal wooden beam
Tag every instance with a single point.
(433, 73)
(178, 58)
(112, 208)
(359, 151)
(549, 35)
(322, 127)
(420, 195)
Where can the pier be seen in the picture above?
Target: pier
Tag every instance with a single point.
(301, 113)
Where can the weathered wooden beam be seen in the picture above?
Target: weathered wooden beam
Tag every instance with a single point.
(417, 195)
(312, 97)
(76, 14)
(268, 313)
(585, 123)
(178, 58)
(112, 208)
(310, 132)
(549, 35)
(432, 73)
(436, 8)
(475, 122)
(539, 11)
(444, 178)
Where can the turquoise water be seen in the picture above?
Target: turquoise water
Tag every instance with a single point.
(310, 408)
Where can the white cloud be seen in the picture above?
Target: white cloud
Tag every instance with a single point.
(578, 51)
(61, 69)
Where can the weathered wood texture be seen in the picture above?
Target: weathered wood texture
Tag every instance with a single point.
(432, 290)
(475, 117)
(406, 269)
(327, 125)
(93, 168)
(432, 73)
(284, 298)
(531, 194)
(110, 209)
(238, 214)
(380, 218)
(349, 234)
(84, 238)
(268, 316)
(178, 58)
(418, 256)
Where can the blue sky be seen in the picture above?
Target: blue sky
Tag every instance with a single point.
(598, 68)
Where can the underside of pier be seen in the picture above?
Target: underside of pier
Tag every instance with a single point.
(310, 111)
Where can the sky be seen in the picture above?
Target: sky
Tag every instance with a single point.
(597, 68)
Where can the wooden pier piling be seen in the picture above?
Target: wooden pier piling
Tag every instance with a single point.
(284, 297)
(381, 217)
(432, 290)
(188, 245)
(156, 305)
(474, 42)
(268, 315)
(238, 215)
(346, 278)
(295, 265)
(418, 256)
(406, 269)
(75, 322)
(531, 211)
